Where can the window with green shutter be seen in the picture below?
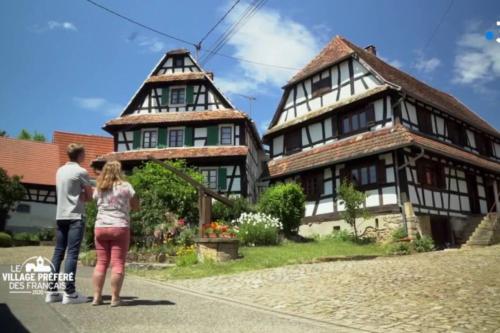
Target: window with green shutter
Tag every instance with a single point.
(189, 94)
(222, 179)
(188, 136)
(164, 96)
(137, 139)
(213, 135)
(162, 137)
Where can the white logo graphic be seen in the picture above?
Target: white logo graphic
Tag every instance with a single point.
(33, 276)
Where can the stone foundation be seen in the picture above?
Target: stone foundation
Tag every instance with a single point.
(217, 249)
(378, 226)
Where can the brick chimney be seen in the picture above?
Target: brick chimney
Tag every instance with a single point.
(372, 49)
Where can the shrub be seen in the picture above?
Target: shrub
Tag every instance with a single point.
(286, 202)
(88, 258)
(258, 229)
(423, 244)
(5, 240)
(398, 234)
(186, 237)
(223, 213)
(90, 217)
(186, 256)
(25, 236)
(161, 191)
(46, 234)
(399, 248)
(342, 236)
(11, 191)
(353, 201)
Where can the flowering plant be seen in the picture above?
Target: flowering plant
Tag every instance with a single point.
(258, 229)
(218, 230)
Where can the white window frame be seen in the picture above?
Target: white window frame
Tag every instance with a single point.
(183, 136)
(232, 133)
(170, 91)
(216, 170)
(142, 137)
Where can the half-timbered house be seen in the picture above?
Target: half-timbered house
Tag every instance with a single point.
(178, 113)
(413, 149)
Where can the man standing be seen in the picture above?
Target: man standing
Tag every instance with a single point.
(73, 190)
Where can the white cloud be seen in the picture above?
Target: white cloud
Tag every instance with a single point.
(477, 60)
(149, 44)
(427, 65)
(98, 104)
(394, 63)
(268, 38)
(54, 25)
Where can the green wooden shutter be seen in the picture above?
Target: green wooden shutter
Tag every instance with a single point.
(164, 96)
(189, 94)
(137, 139)
(162, 137)
(188, 136)
(213, 135)
(222, 178)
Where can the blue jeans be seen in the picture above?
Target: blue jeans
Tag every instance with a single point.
(69, 236)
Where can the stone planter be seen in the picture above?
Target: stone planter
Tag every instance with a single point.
(217, 249)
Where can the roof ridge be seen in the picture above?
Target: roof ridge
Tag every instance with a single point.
(81, 134)
(28, 141)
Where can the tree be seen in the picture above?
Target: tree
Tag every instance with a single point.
(353, 201)
(24, 135)
(286, 202)
(11, 191)
(161, 191)
(39, 137)
(3, 134)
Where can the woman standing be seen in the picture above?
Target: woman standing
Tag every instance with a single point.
(115, 198)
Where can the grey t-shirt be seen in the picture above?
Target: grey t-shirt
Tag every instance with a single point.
(71, 178)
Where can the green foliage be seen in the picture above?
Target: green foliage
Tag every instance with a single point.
(286, 202)
(3, 134)
(46, 234)
(342, 236)
(90, 217)
(25, 236)
(353, 201)
(5, 240)
(399, 248)
(24, 135)
(186, 256)
(398, 234)
(423, 244)
(161, 191)
(11, 191)
(39, 137)
(88, 258)
(225, 214)
(186, 237)
(258, 229)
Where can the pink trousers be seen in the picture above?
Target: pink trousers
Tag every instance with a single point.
(111, 246)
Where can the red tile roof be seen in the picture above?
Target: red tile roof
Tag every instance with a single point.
(340, 48)
(36, 162)
(95, 145)
(367, 144)
(177, 77)
(176, 117)
(175, 153)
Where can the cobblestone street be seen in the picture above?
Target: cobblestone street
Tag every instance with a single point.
(446, 291)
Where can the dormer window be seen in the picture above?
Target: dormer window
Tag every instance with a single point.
(177, 96)
(178, 61)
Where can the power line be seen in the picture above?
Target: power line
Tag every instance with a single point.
(218, 22)
(185, 41)
(438, 26)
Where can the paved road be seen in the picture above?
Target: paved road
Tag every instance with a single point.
(150, 307)
(444, 291)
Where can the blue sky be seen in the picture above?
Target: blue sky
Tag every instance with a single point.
(67, 65)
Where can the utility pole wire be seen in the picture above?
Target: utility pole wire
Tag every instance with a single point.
(218, 22)
(437, 26)
(185, 41)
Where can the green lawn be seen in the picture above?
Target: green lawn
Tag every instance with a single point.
(266, 257)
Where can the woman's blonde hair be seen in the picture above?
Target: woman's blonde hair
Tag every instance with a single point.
(111, 173)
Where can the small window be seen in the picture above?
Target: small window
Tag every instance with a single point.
(177, 96)
(424, 120)
(178, 61)
(336, 228)
(483, 145)
(23, 208)
(210, 178)
(455, 133)
(312, 183)
(321, 86)
(358, 120)
(176, 137)
(430, 174)
(365, 174)
(293, 142)
(149, 138)
(226, 135)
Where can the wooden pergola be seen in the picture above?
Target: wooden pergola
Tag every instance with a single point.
(205, 194)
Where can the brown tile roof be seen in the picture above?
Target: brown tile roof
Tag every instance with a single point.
(367, 144)
(36, 162)
(339, 48)
(175, 153)
(177, 77)
(176, 117)
(95, 145)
